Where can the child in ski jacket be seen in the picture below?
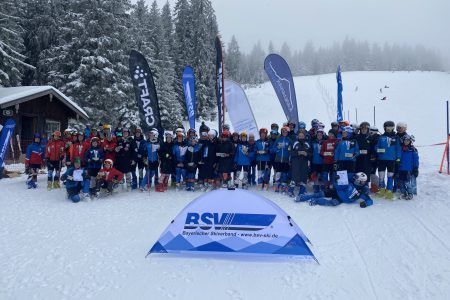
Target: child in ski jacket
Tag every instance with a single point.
(409, 167)
(76, 181)
(34, 159)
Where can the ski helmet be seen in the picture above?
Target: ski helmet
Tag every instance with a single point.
(37, 136)
(274, 125)
(402, 125)
(95, 139)
(333, 124)
(373, 129)
(57, 133)
(285, 128)
(212, 133)
(364, 124)
(251, 136)
(406, 137)
(168, 134)
(388, 124)
(243, 134)
(360, 179)
(344, 123)
(263, 130)
(291, 123)
(153, 135)
(108, 162)
(301, 125)
(226, 127)
(179, 130)
(314, 122)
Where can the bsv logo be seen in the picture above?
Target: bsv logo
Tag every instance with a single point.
(228, 221)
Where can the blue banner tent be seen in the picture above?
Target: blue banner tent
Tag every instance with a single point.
(233, 222)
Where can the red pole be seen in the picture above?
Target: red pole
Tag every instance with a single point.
(448, 139)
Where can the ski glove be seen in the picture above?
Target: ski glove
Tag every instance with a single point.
(415, 172)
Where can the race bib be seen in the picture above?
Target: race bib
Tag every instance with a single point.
(78, 175)
(349, 155)
(327, 154)
(330, 147)
(362, 151)
(381, 150)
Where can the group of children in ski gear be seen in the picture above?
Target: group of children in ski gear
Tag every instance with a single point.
(105, 159)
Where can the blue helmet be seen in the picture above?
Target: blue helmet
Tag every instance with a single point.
(301, 125)
(37, 136)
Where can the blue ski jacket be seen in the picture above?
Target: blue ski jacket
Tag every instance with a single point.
(179, 150)
(316, 157)
(388, 147)
(94, 158)
(281, 148)
(151, 151)
(349, 193)
(70, 183)
(346, 150)
(409, 159)
(262, 150)
(242, 156)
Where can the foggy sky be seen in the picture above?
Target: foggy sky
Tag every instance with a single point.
(325, 21)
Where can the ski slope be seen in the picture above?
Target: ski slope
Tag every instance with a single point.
(53, 249)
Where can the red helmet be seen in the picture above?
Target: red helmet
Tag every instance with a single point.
(57, 133)
(286, 128)
(263, 130)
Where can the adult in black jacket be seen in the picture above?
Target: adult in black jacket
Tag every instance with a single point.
(225, 153)
(363, 160)
(167, 165)
(208, 161)
(126, 155)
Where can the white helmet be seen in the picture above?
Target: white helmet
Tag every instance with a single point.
(179, 130)
(155, 134)
(168, 134)
(360, 179)
(402, 125)
(212, 133)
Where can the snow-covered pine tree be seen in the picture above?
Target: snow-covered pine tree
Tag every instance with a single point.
(12, 62)
(39, 24)
(205, 29)
(233, 60)
(101, 82)
(182, 50)
(163, 68)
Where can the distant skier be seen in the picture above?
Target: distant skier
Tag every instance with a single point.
(384, 98)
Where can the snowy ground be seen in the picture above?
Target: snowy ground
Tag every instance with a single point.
(53, 249)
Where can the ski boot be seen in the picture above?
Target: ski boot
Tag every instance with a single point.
(159, 188)
(389, 195)
(260, 187)
(56, 184)
(381, 193)
(373, 188)
(407, 196)
(284, 189)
